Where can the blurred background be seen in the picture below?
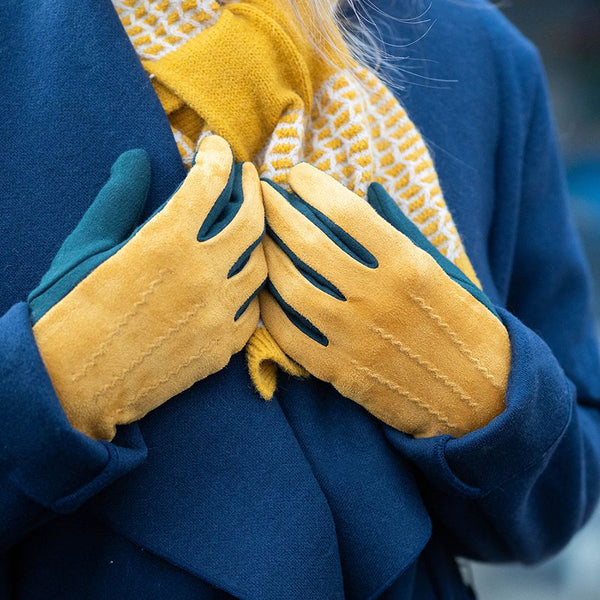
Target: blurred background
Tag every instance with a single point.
(567, 33)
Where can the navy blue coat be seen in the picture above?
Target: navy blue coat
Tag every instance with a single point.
(218, 494)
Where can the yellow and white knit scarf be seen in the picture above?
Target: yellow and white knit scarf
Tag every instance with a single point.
(244, 71)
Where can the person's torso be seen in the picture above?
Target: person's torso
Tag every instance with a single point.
(302, 493)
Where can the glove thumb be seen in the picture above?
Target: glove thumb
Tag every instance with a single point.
(108, 221)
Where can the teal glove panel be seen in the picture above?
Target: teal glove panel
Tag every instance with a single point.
(111, 221)
(385, 206)
(104, 226)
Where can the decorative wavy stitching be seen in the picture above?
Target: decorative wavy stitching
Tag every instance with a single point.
(149, 389)
(159, 342)
(434, 371)
(454, 337)
(399, 390)
(115, 332)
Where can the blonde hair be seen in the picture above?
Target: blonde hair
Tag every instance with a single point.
(324, 20)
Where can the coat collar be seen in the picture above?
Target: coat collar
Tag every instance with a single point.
(74, 97)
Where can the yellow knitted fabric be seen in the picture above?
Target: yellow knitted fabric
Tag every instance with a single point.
(264, 356)
(243, 70)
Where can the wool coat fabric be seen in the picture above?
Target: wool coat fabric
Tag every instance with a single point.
(219, 495)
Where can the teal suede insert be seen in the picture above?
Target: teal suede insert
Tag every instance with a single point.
(100, 233)
(300, 321)
(385, 206)
(337, 235)
(110, 222)
(241, 262)
(309, 273)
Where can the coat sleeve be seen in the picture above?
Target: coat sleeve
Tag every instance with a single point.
(46, 467)
(522, 486)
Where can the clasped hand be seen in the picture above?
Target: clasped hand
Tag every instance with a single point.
(369, 305)
(127, 317)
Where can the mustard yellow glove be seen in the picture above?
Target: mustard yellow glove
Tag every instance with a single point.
(166, 306)
(358, 304)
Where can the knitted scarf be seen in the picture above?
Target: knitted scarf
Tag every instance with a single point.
(245, 71)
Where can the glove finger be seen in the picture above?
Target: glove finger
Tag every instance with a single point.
(242, 261)
(197, 206)
(306, 243)
(345, 213)
(296, 335)
(385, 206)
(249, 305)
(245, 224)
(308, 297)
(246, 322)
(241, 286)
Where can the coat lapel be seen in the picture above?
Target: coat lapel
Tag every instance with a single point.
(74, 97)
(301, 496)
(226, 493)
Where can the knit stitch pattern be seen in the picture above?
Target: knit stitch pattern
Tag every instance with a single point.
(157, 27)
(342, 118)
(357, 131)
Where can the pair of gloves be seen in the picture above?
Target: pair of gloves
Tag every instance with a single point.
(126, 318)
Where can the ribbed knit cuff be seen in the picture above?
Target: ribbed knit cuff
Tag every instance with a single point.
(264, 356)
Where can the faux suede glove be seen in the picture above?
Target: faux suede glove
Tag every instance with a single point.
(124, 321)
(370, 306)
